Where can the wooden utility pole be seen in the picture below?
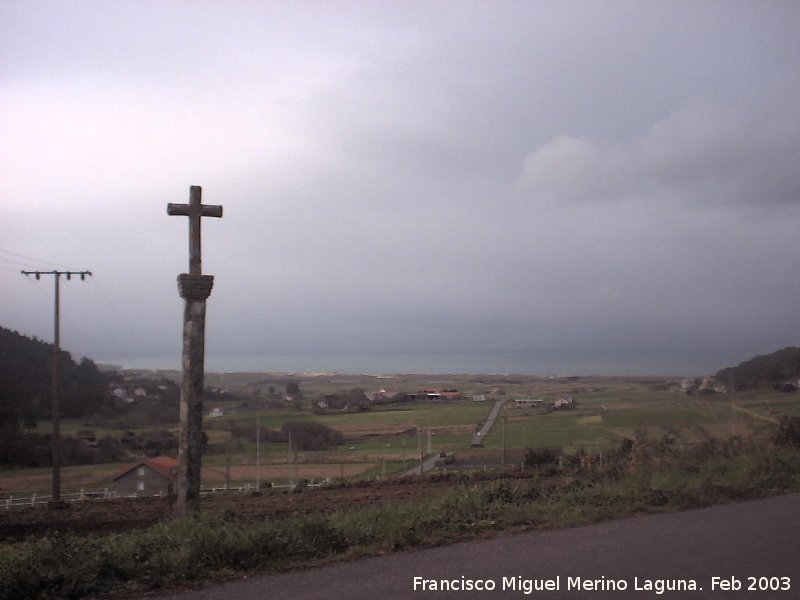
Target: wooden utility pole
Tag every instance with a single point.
(291, 462)
(258, 451)
(227, 465)
(503, 451)
(56, 446)
(194, 288)
(421, 450)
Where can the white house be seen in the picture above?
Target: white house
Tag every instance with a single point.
(563, 402)
(528, 402)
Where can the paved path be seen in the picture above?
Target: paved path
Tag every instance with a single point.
(752, 413)
(759, 538)
(487, 426)
(430, 462)
(427, 464)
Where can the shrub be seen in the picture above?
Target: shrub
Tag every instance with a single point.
(788, 434)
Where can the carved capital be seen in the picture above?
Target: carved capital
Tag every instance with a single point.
(195, 287)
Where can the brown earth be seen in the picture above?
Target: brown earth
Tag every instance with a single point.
(122, 514)
(215, 476)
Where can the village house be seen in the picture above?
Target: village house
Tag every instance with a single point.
(528, 402)
(148, 477)
(381, 394)
(121, 394)
(706, 385)
(450, 395)
(689, 385)
(563, 402)
(89, 438)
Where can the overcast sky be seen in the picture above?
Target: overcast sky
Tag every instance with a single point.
(564, 178)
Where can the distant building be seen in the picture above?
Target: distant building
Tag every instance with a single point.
(89, 438)
(706, 385)
(528, 402)
(216, 412)
(149, 477)
(121, 394)
(376, 395)
(564, 402)
(450, 395)
(689, 385)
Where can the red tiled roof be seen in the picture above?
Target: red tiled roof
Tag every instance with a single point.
(166, 465)
(163, 465)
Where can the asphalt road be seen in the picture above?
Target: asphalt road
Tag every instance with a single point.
(427, 465)
(477, 440)
(758, 539)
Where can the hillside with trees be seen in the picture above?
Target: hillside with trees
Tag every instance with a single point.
(26, 397)
(26, 367)
(26, 371)
(779, 370)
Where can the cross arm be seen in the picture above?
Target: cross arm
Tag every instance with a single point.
(178, 209)
(212, 210)
(184, 210)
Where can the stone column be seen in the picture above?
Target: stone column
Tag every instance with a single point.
(194, 289)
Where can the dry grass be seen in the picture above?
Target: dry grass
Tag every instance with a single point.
(215, 477)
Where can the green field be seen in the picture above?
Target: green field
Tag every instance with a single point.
(606, 411)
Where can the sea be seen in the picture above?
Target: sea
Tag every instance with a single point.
(541, 363)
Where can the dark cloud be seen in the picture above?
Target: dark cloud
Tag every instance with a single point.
(598, 180)
(704, 153)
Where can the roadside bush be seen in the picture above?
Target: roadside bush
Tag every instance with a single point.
(542, 456)
(311, 435)
(788, 434)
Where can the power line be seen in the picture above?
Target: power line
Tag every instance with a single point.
(118, 347)
(13, 262)
(89, 348)
(38, 260)
(121, 319)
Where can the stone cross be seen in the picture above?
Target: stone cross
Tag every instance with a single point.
(194, 210)
(194, 288)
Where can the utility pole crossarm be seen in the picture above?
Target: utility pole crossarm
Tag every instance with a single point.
(82, 274)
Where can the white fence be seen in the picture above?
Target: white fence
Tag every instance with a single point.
(35, 500)
(39, 500)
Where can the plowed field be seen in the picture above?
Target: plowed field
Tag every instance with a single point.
(117, 515)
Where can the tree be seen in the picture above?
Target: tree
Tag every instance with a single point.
(763, 371)
(543, 456)
(309, 435)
